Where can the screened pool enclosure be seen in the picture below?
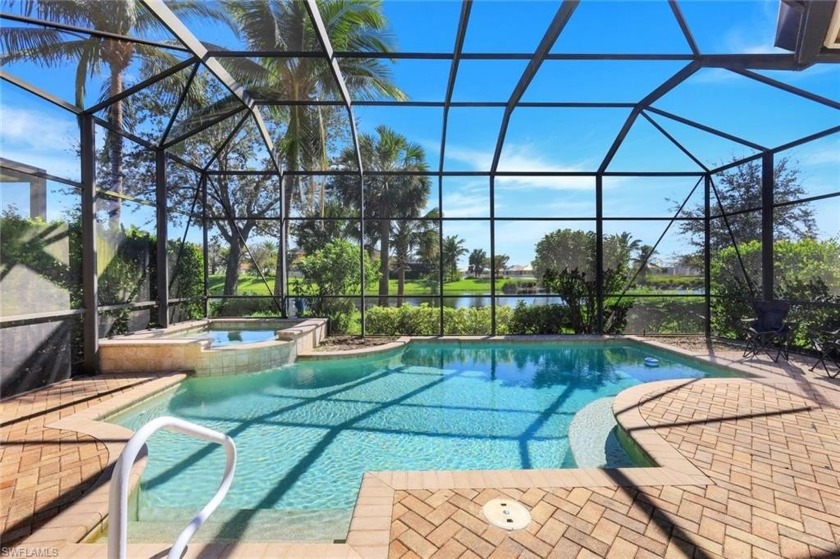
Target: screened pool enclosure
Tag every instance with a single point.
(404, 167)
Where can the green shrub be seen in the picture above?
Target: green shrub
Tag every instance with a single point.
(262, 306)
(580, 295)
(807, 273)
(424, 320)
(667, 315)
(330, 273)
(539, 319)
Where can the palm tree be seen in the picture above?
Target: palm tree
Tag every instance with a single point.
(408, 236)
(268, 25)
(52, 48)
(453, 250)
(500, 263)
(386, 196)
(478, 261)
(618, 249)
(642, 260)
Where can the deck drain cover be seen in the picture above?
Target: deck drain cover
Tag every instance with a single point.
(507, 514)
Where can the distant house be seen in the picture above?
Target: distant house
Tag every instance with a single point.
(679, 271)
(525, 271)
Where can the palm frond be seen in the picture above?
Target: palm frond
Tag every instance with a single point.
(199, 10)
(72, 12)
(47, 46)
(258, 22)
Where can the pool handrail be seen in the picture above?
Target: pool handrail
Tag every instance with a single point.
(118, 496)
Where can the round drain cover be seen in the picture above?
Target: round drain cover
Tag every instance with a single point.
(507, 514)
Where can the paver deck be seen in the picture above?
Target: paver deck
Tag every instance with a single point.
(43, 469)
(767, 450)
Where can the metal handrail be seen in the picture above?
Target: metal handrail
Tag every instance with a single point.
(118, 499)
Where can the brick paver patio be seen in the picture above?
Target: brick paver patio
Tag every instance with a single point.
(773, 455)
(43, 469)
(768, 449)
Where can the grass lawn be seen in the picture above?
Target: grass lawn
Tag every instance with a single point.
(254, 285)
(247, 284)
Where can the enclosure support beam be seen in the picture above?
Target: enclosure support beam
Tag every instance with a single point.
(162, 239)
(767, 188)
(202, 184)
(707, 251)
(282, 267)
(493, 277)
(599, 251)
(90, 288)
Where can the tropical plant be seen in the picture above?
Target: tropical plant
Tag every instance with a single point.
(386, 196)
(285, 25)
(408, 236)
(572, 249)
(579, 292)
(187, 278)
(52, 48)
(642, 260)
(314, 232)
(331, 277)
(477, 262)
(453, 250)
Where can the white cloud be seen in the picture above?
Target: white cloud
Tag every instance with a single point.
(471, 200)
(524, 158)
(757, 35)
(37, 138)
(829, 155)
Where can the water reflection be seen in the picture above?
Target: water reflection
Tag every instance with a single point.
(466, 301)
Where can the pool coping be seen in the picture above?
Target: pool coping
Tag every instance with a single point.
(369, 532)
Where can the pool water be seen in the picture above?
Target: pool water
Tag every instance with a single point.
(306, 433)
(227, 337)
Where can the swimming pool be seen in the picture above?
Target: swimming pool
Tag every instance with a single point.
(306, 432)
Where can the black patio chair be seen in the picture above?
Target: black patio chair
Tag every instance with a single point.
(768, 332)
(827, 345)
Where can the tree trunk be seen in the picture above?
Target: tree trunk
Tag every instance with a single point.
(232, 268)
(384, 249)
(284, 232)
(400, 283)
(115, 148)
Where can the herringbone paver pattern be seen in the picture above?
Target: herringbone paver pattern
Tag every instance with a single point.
(43, 470)
(773, 454)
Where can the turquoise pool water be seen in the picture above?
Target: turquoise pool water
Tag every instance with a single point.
(306, 432)
(227, 337)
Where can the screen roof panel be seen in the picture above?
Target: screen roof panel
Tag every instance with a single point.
(471, 138)
(619, 81)
(573, 140)
(423, 26)
(645, 139)
(404, 73)
(514, 27)
(747, 108)
(729, 27)
(487, 80)
(622, 27)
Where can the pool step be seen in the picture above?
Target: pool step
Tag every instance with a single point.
(592, 440)
(228, 525)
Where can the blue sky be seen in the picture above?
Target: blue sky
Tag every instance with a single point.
(540, 139)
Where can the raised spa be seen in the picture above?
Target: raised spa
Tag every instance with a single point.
(212, 346)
